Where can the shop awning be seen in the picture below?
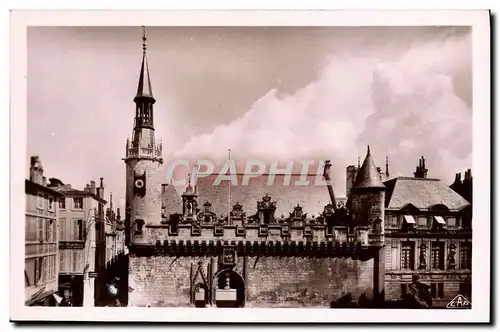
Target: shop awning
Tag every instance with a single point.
(440, 220)
(410, 220)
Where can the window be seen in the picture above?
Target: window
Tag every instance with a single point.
(422, 221)
(39, 201)
(437, 290)
(62, 229)
(437, 258)
(29, 272)
(452, 222)
(51, 268)
(51, 203)
(38, 270)
(48, 230)
(31, 228)
(40, 229)
(394, 220)
(54, 231)
(62, 257)
(62, 202)
(78, 203)
(80, 229)
(77, 230)
(465, 255)
(407, 255)
(77, 261)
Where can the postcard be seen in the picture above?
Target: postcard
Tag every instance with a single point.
(250, 166)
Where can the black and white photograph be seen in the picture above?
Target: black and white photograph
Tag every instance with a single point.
(333, 161)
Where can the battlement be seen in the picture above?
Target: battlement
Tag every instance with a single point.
(274, 235)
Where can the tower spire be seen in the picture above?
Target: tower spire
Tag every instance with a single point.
(144, 86)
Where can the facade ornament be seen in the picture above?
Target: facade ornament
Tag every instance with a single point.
(422, 261)
(451, 256)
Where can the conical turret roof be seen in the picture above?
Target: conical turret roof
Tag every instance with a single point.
(368, 175)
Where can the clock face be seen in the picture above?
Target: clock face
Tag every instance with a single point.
(139, 183)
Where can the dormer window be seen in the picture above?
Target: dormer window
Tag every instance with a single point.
(409, 221)
(439, 222)
(422, 221)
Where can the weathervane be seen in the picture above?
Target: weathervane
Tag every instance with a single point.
(144, 39)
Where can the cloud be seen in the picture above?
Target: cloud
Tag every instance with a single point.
(406, 106)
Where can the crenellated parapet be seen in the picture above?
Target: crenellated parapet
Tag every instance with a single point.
(151, 151)
(327, 228)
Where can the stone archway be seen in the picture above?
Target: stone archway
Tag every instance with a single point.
(229, 289)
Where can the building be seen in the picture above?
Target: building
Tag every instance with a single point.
(41, 243)
(428, 232)
(201, 258)
(81, 242)
(116, 258)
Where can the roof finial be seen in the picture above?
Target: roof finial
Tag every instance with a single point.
(144, 39)
(359, 162)
(368, 150)
(387, 166)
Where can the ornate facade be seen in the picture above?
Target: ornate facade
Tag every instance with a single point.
(194, 256)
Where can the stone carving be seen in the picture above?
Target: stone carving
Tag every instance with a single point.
(422, 264)
(237, 212)
(451, 256)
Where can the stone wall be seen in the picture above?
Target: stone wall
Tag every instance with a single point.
(147, 208)
(163, 281)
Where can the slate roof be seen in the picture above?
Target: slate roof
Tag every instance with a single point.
(171, 200)
(421, 193)
(312, 197)
(368, 175)
(144, 86)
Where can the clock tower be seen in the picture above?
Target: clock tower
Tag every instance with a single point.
(143, 158)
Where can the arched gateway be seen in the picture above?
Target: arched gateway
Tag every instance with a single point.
(229, 289)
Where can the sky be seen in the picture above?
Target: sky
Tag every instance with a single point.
(268, 93)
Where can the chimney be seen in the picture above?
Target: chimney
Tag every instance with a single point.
(92, 188)
(100, 190)
(163, 188)
(118, 216)
(44, 181)
(36, 170)
(421, 171)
